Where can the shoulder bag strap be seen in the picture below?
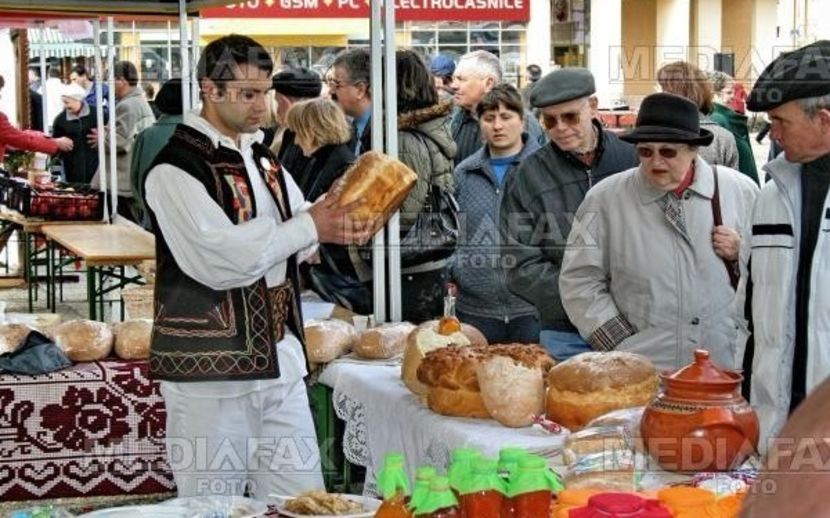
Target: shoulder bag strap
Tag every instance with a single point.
(717, 216)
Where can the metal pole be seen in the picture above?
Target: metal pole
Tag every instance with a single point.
(195, 51)
(378, 249)
(99, 113)
(391, 95)
(185, 56)
(44, 102)
(169, 66)
(111, 107)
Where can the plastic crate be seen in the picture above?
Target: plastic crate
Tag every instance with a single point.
(65, 202)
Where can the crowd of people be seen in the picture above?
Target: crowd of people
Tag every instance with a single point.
(657, 240)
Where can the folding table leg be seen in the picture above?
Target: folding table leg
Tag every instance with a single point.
(91, 288)
(28, 260)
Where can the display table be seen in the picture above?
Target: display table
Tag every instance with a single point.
(106, 250)
(382, 416)
(92, 430)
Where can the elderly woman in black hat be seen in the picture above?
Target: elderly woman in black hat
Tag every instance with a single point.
(650, 264)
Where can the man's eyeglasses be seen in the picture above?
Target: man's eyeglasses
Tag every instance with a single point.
(336, 84)
(568, 118)
(665, 152)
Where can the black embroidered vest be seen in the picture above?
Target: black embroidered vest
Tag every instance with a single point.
(201, 334)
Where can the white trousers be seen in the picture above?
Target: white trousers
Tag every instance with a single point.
(262, 440)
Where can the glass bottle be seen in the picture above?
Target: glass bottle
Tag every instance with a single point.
(394, 487)
(423, 476)
(533, 487)
(483, 493)
(507, 467)
(440, 502)
(449, 323)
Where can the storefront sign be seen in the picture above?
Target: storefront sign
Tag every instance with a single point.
(405, 10)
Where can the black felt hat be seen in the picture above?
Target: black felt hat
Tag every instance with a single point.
(795, 75)
(668, 118)
(298, 82)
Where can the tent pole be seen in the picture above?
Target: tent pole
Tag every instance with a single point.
(185, 56)
(99, 113)
(391, 95)
(378, 248)
(195, 51)
(113, 170)
(169, 66)
(44, 100)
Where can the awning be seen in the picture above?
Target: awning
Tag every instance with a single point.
(52, 43)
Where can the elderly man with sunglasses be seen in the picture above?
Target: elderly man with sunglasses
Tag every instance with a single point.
(651, 261)
(540, 199)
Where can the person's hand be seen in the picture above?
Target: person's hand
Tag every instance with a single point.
(65, 144)
(335, 224)
(726, 242)
(92, 137)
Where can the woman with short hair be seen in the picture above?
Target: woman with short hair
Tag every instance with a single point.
(323, 134)
(686, 80)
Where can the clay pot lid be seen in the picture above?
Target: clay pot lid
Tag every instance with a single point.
(703, 370)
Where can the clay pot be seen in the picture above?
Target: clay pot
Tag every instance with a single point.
(700, 421)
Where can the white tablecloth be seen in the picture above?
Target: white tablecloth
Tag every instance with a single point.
(383, 416)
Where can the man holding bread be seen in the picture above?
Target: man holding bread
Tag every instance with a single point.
(230, 228)
(542, 197)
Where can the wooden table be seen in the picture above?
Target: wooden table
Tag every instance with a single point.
(106, 250)
(30, 228)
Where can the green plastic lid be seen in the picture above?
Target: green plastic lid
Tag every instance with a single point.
(440, 496)
(533, 475)
(392, 477)
(509, 459)
(484, 477)
(461, 466)
(423, 476)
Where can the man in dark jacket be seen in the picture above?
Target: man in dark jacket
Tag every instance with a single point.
(478, 72)
(541, 199)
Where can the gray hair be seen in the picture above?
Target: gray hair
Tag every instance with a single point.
(481, 63)
(719, 80)
(813, 105)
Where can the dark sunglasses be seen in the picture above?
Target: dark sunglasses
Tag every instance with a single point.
(569, 119)
(665, 152)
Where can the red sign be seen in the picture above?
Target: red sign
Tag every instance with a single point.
(405, 10)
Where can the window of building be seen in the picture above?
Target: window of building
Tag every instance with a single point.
(570, 32)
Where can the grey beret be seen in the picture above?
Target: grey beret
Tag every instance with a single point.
(795, 75)
(563, 85)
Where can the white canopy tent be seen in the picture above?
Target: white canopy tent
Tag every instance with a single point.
(383, 94)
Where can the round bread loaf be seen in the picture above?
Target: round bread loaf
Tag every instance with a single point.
(12, 336)
(383, 342)
(327, 340)
(132, 339)
(591, 384)
(513, 394)
(426, 338)
(451, 374)
(84, 340)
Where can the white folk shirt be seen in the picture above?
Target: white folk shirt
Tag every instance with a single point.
(209, 248)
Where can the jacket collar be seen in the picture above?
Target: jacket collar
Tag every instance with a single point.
(194, 120)
(480, 160)
(787, 176)
(703, 184)
(598, 151)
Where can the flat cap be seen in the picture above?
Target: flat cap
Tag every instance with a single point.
(799, 74)
(563, 85)
(298, 82)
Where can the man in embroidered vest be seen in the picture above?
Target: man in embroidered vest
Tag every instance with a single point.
(230, 228)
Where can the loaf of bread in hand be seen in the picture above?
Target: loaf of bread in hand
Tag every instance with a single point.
(381, 181)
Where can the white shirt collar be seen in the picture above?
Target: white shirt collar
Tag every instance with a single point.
(199, 123)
